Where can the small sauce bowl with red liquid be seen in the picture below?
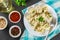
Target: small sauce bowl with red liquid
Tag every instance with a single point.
(14, 16)
(15, 31)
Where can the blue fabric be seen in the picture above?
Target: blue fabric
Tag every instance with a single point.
(27, 36)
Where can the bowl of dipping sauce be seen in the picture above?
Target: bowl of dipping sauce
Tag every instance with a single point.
(15, 31)
(14, 16)
(3, 22)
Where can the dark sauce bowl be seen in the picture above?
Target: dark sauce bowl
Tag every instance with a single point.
(15, 31)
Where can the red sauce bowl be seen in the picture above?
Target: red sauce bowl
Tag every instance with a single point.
(14, 16)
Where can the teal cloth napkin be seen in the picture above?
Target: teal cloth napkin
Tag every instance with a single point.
(53, 3)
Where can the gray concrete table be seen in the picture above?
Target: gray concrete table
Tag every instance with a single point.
(4, 35)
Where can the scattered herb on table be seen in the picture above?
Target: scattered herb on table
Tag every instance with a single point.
(20, 2)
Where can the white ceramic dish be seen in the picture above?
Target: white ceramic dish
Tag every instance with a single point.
(16, 35)
(5, 21)
(16, 21)
(28, 26)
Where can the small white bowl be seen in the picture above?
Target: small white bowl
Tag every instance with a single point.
(13, 21)
(12, 34)
(5, 21)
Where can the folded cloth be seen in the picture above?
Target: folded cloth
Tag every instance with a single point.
(53, 3)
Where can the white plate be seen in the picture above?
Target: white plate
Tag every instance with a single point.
(28, 26)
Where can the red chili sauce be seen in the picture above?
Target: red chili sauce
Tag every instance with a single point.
(15, 16)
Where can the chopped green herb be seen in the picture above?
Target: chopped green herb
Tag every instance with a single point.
(33, 11)
(41, 19)
(50, 16)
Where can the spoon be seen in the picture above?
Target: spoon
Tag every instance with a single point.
(52, 24)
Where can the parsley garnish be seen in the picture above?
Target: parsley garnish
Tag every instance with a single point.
(41, 19)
